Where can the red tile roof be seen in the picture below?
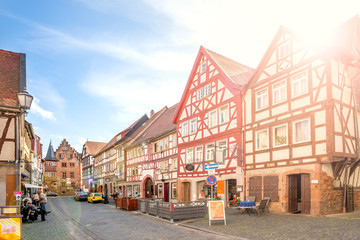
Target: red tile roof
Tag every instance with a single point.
(94, 147)
(237, 72)
(160, 126)
(9, 78)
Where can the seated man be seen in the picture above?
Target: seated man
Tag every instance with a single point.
(30, 212)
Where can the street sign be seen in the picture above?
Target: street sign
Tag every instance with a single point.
(18, 197)
(211, 171)
(211, 166)
(211, 180)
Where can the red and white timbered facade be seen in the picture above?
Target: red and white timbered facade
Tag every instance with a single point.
(301, 128)
(151, 159)
(208, 122)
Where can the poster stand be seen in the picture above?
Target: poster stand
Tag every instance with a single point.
(216, 211)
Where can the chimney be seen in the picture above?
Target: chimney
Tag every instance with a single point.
(152, 113)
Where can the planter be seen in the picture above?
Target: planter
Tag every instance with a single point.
(236, 204)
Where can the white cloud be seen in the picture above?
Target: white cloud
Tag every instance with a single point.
(37, 110)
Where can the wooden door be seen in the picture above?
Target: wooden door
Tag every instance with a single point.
(292, 194)
(166, 192)
(305, 193)
(10, 189)
(149, 188)
(186, 192)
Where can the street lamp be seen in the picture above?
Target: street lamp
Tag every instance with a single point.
(25, 100)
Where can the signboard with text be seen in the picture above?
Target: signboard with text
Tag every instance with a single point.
(216, 211)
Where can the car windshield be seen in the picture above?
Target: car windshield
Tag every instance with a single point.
(83, 194)
(98, 194)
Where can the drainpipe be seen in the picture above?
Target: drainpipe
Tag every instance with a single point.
(17, 157)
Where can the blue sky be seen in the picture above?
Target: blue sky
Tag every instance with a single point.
(94, 67)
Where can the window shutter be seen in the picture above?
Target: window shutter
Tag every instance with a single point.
(271, 188)
(255, 187)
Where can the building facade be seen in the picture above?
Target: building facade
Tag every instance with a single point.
(209, 124)
(301, 124)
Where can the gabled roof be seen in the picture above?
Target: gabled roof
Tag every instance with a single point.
(237, 74)
(12, 77)
(93, 147)
(161, 126)
(124, 135)
(50, 155)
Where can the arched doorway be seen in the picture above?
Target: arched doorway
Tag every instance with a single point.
(149, 188)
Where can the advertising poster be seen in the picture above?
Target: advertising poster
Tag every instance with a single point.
(216, 211)
(10, 228)
(220, 187)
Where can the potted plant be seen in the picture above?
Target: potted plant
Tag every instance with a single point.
(217, 197)
(236, 201)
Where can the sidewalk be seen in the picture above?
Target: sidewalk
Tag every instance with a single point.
(282, 226)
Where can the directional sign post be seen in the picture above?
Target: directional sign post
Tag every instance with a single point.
(211, 166)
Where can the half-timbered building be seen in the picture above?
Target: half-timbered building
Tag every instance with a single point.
(301, 125)
(151, 159)
(209, 123)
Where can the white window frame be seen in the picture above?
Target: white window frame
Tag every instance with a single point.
(224, 113)
(207, 90)
(222, 147)
(203, 67)
(209, 151)
(257, 138)
(199, 94)
(277, 89)
(262, 97)
(185, 128)
(212, 120)
(274, 135)
(199, 153)
(189, 155)
(294, 130)
(193, 126)
(297, 78)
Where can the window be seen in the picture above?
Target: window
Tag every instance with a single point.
(209, 155)
(173, 190)
(199, 154)
(279, 92)
(64, 175)
(185, 128)
(63, 164)
(221, 151)
(129, 191)
(193, 126)
(164, 166)
(166, 143)
(212, 118)
(63, 184)
(61, 155)
(203, 67)
(302, 131)
(224, 114)
(161, 146)
(175, 140)
(284, 50)
(72, 164)
(155, 148)
(137, 191)
(271, 188)
(299, 84)
(69, 156)
(48, 174)
(199, 94)
(280, 135)
(48, 164)
(65, 148)
(255, 187)
(53, 174)
(174, 164)
(72, 175)
(53, 164)
(189, 155)
(262, 99)
(160, 190)
(262, 140)
(207, 90)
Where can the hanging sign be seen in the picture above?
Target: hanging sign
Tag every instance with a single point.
(189, 167)
(216, 211)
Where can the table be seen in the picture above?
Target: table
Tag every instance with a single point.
(247, 206)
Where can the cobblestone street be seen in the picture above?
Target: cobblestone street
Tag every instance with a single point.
(80, 220)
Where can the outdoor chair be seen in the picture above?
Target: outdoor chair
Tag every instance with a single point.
(251, 198)
(267, 204)
(261, 207)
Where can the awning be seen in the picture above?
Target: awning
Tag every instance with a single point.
(27, 185)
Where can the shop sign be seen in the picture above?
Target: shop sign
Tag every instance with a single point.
(240, 188)
(221, 187)
(189, 167)
(10, 228)
(216, 211)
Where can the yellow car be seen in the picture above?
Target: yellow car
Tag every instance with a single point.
(95, 197)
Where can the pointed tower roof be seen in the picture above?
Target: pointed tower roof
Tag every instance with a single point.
(50, 155)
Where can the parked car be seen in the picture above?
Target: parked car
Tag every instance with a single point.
(95, 197)
(51, 194)
(81, 196)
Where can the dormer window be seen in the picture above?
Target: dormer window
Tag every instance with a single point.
(203, 67)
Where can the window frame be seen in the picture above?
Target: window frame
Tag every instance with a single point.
(201, 155)
(192, 126)
(207, 90)
(287, 135)
(294, 130)
(226, 114)
(297, 78)
(261, 97)
(187, 154)
(199, 94)
(278, 89)
(257, 137)
(185, 130)
(172, 190)
(203, 67)
(206, 152)
(215, 118)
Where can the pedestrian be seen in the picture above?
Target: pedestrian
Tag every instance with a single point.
(35, 199)
(42, 202)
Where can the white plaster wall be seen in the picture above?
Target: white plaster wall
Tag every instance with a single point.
(338, 144)
(320, 133)
(262, 115)
(281, 154)
(320, 149)
(262, 157)
(248, 106)
(280, 109)
(305, 101)
(320, 117)
(302, 151)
